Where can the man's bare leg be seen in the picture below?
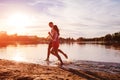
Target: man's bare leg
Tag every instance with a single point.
(48, 53)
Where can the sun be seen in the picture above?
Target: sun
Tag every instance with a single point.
(19, 21)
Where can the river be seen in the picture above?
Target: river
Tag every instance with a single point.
(38, 53)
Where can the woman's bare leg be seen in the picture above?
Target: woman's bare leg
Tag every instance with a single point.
(65, 55)
(59, 58)
(53, 52)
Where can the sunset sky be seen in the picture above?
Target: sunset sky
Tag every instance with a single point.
(75, 18)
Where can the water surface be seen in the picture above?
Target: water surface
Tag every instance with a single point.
(38, 53)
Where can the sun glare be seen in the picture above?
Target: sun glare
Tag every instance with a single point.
(18, 57)
(19, 21)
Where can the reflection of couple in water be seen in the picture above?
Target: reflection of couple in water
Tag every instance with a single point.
(53, 46)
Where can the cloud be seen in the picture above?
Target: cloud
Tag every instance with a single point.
(87, 17)
(78, 17)
(46, 5)
(93, 15)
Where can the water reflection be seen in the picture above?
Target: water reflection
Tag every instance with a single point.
(37, 53)
(18, 57)
(113, 46)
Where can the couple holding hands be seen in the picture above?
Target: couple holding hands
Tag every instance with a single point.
(53, 46)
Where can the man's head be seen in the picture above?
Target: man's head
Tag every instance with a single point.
(51, 24)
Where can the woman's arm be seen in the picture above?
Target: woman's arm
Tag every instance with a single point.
(50, 35)
(54, 36)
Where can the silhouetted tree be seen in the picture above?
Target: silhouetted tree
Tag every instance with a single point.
(108, 37)
(116, 37)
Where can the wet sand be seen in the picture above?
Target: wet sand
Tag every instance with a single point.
(11, 70)
(95, 70)
(79, 70)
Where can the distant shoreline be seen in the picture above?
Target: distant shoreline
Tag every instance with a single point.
(109, 39)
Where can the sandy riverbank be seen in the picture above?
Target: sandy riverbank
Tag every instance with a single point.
(80, 70)
(11, 70)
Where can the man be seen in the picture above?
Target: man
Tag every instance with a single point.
(50, 44)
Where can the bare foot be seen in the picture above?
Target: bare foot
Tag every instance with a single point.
(60, 65)
(47, 60)
(66, 56)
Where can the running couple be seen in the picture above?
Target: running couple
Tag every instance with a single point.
(53, 46)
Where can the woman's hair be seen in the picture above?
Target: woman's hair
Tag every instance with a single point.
(56, 28)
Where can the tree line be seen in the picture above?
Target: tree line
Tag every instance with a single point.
(6, 39)
(115, 37)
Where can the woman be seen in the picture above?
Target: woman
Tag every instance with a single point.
(51, 25)
(55, 42)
